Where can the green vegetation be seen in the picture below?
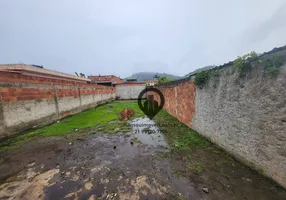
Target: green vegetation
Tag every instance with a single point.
(90, 118)
(142, 76)
(164, 79)
(196, 167)
(202, 78)
(273, 64)
(147, 130)
(184, 141)
(101, 119)
(243, 63)
(181, 137)
(136, 140)
(112, 127)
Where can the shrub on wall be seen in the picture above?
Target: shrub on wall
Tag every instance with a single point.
(243, 63)
(202, 78)
(273, 64)
(164, 79)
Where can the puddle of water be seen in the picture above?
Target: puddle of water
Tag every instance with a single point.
(148, 132)
(120, 145)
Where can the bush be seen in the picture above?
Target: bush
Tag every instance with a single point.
(243, 63)
(202, 78)
(164, 79)
(273, 64)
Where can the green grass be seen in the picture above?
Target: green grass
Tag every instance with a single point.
(136, 140)
(196, 166)
(90, 118)
(99, 118)
(113, 127)
(147, 130)
(105, 119)
(181, 137)
(183, 141)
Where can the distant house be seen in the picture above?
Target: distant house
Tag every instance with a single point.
(40, 72)
(131, 80)
(151, 82)
(109, 80)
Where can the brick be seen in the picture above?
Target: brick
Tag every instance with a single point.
(7, 94)
(9, 99)
(28, 93)
(35, 93)
(4, 89)
(22, 98)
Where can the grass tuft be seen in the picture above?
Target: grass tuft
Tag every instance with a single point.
(181, 137)
(99, 118)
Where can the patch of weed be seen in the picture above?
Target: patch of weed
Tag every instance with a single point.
(163, 154)
(136, 140)
(273, 64)
(91, 118)
(243, 63)
(181, 137)
(16, 141)
(113, 127)
(196, 166)
(147, 130)
(201, 78)
(95, 117)
(183, 141)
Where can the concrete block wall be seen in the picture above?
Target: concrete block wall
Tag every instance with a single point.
(28, 101)
(247, 117)
(244, 115)
(129, 90)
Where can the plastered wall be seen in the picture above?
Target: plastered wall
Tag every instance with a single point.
(28, 102)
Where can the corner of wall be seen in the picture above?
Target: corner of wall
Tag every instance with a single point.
(2, 122)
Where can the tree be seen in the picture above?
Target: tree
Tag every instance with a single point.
(164, 79)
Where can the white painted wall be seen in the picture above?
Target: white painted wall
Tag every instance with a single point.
(129, 91)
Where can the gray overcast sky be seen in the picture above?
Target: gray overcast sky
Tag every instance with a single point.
(122, 37)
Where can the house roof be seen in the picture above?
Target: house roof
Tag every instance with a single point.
(105, 79)
(39, 71)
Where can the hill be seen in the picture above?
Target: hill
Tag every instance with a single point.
(142, 76)
(200, 69)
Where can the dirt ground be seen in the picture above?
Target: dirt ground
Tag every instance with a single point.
(133, 165)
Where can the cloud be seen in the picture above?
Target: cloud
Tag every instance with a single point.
(264, 35)
(112, 37)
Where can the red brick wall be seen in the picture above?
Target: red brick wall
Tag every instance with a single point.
(130, 83)
(28, 100)
(186, 102)
(33, 92)
(110, 78)
(179, 100)
(21, 94)
(170, 99)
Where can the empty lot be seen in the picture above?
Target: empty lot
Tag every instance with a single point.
(94, 155)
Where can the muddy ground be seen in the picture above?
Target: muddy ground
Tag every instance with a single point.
(135, 165)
